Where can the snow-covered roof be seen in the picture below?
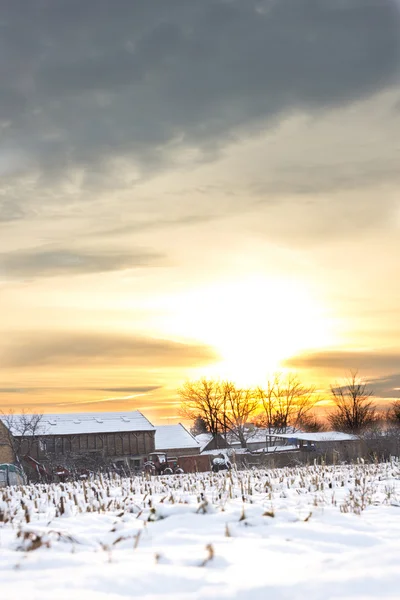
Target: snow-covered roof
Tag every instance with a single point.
(273, 449)
(224, 451)
(203, 439)
(321, 436)
(75, 423)
(169, 437)
(255, 435)
(235, 451)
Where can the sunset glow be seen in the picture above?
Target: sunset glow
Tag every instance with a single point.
(253, 324)
(211, 189)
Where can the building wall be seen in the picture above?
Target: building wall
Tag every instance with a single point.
(251, 445)
(177, 452)
(6, 452)
(111, 446)
(217, 442)
(272, 460)
(256, 445)
(334, 451)
(198, 463)
(328, 453)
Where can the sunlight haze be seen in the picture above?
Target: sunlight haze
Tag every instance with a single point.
(196, 189)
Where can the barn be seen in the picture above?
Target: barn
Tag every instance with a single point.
(89, 439)
(176, 441)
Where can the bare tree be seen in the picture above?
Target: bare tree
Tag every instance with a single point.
(354, 410)
(239, 405)
(310, 423)
(286, 401)
(393, 414)
(203, 399)
(260, 420)
(23, 431)
(219, 407)
(267, 397)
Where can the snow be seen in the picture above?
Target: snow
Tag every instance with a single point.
(203, 439)
(75, 423)
(225, 451)
(222, 461)
(321, 436)
(317, 532)
(236, 451)
(255, 436)
(169, 437)
(273, 449)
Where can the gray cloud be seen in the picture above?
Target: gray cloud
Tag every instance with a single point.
(386, 387)
(346, 361)
(81, 83)
(50, 262)
(127, 390)
(10, 211)
(339, 175)
(80, 350)
(161, 223)
(137, 389)
(13, 390)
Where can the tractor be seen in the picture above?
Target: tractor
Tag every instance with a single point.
(159, 464)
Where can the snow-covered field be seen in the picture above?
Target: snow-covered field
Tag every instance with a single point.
(304, 533)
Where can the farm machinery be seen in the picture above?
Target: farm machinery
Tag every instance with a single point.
(221, 463)
(159, 464)
(56, 473)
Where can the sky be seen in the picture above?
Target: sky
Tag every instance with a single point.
(196, 189)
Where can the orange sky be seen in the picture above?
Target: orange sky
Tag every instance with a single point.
(153, 229)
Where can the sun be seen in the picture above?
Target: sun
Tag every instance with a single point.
(253, 323)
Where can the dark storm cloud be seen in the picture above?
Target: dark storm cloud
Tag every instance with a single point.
(346, 361)
(51, 262)
(84, 81)
(81, 350)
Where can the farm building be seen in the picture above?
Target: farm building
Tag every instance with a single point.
(258, 438)
(316, 440)
(92, 438)
(331, 443)
(208, 441)
(6, 451)
(176, 440)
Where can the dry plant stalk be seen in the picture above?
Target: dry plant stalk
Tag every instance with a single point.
(210, 555)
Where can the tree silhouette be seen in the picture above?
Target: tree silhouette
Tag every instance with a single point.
(354, 410)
